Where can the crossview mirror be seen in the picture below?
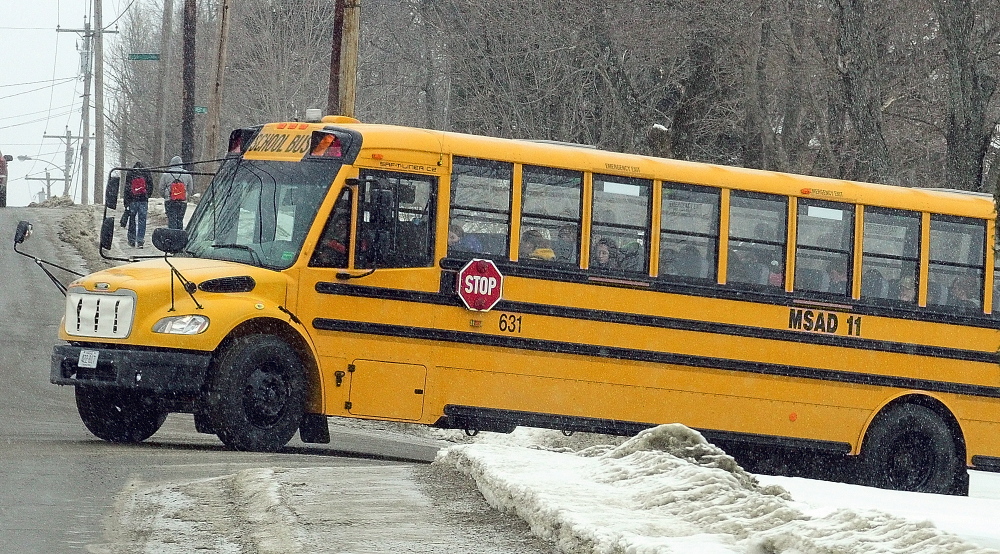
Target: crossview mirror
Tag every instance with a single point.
(111, 192)
(170, 241)
(23, 232)
(107, 232)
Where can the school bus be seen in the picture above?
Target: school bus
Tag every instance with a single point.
(327, 272)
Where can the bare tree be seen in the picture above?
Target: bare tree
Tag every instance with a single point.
(971, 32)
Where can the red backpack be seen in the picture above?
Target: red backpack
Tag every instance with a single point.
(178, 191)
(138, 185)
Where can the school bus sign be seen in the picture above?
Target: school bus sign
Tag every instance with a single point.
(479, 285)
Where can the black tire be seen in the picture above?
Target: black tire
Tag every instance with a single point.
(910, 448)
(256, 396)
(119, 416)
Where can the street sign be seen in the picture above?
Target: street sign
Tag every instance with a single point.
(152, 57)
(200, 109)
(479, 285)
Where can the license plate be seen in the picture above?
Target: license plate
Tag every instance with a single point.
(88, 358)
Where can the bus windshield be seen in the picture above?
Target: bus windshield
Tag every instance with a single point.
(258, 212)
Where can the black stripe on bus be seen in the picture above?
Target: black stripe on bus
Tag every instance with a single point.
(630, 354)
(661, 322)
(986, 463)
(486, 419)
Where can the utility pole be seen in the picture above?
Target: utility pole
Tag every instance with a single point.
(161, 112)
(187, 98)
(344, 58)
(349, 65)
(67, 173)
(333, 93)
(48, 183)
(85, 143)
(215, 97)
(98, 103)
(86, 67)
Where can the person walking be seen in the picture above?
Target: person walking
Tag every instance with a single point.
(176, 185)
(138, 185)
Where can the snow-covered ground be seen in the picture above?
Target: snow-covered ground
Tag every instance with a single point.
(667, 490)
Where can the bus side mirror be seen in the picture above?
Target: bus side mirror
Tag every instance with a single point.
(107, 232)
(170, 241)
(8, 158)
(22, 233)
(111, 193)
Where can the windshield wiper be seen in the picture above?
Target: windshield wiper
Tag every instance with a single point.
(253, 253)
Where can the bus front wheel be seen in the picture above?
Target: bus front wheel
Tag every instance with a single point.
(256, 397)
(911, 448)
(118, 416)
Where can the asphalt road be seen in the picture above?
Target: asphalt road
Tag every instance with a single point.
(57, 482)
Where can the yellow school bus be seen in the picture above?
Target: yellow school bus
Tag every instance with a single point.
(335, 268)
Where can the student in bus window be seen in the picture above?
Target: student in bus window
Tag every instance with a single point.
(332, 248)
(744, 266)
(907, 289)
(534, 246)
(962, 292)
(689, 262)
(605, 255)
(460, 242)
(837, 271)
(565, 244)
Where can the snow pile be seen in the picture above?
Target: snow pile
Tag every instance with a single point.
(668, 490)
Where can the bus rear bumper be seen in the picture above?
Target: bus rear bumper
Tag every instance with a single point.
(155, 371)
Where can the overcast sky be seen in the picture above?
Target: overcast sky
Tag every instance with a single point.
(41, 88)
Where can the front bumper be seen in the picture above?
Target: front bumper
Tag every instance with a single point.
(156, 371)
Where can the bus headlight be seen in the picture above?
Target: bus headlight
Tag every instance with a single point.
(182, 325)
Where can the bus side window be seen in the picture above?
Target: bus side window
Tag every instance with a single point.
(957, 262)
(689, 231)
(479, 215)
(824, 247)
(757, 235)
(332, 248)
(550, 215)
(621, 222)
(996, 288)
(891, 250)
(395, 220)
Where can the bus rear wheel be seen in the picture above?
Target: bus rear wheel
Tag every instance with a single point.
(118, 416)
(911, 448)
(257, 394)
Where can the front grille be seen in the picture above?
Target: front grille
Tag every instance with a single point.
(100, 315)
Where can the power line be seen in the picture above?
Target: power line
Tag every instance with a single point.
(37, 82)
(35, 89)
(45, 111)
(47, 118)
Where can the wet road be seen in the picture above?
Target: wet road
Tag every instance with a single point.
(58, 482)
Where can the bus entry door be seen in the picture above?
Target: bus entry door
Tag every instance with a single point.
(387, 389)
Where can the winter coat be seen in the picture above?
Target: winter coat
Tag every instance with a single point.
(137, 171)
(177, 171)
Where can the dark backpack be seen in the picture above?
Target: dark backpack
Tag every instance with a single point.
(138, 185)
(178, 191)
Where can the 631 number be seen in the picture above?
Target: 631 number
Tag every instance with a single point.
(510, 323)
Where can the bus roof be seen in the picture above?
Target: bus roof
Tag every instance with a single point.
(388, 138)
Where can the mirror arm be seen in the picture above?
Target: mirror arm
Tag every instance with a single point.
(41, 265)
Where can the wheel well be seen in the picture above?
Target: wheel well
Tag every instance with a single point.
(932, 404)
(281, 329)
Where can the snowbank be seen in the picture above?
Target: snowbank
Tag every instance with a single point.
(668, 490)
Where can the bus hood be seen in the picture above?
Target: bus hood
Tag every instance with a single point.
(210, 276)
